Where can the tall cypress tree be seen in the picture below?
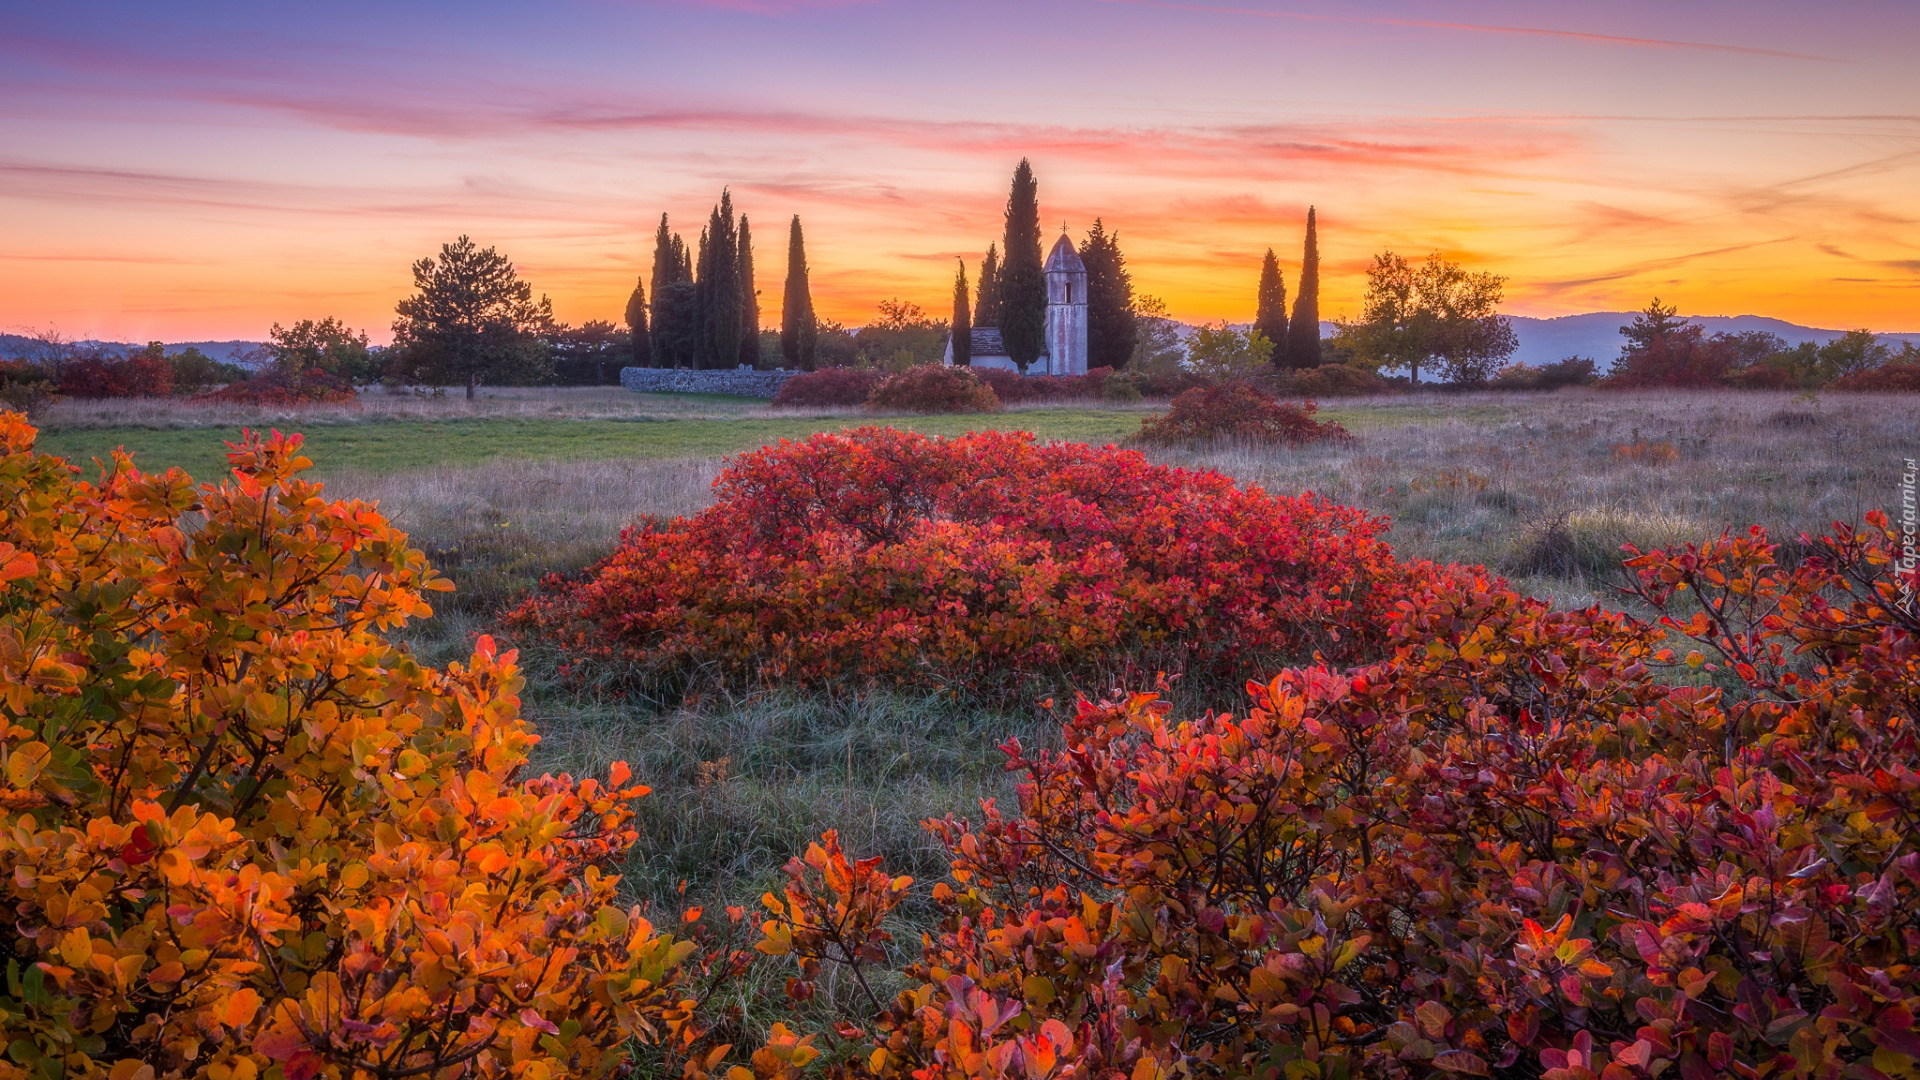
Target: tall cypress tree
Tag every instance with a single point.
(1111, 327)
(749, 301)
(986, 305)
(1023, 283)
(796, 305)
(718, 287)
(1270, 308)
(673, 323)
(637, 325)
(962, 320)
(1303, 336)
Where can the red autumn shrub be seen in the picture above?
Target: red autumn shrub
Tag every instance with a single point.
(828, 387)
(144, 374)
(1237, 411)
(313, 387)
(884, 555)
(1013, 388)
(1510, 848)
(1895, 378)
(1686, 357)
(933, 388)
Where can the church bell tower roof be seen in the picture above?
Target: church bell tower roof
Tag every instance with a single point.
(1064, 257)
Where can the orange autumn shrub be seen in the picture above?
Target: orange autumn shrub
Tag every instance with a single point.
(983, 560)
(1512, 848)
(245, 835)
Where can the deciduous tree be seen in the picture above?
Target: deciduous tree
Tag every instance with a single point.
(1436, 312)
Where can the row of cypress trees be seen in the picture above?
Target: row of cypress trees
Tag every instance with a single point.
(1012, 292)
(705, 311)
(1296, 342)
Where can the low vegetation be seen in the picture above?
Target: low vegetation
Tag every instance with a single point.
(985, 563)
(1236, 411)
(1560, 801)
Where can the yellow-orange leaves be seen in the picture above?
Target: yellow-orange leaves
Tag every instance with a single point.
(242, 835)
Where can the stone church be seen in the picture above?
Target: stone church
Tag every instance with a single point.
(1066, 341)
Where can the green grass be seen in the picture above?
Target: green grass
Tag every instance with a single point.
(402, 445)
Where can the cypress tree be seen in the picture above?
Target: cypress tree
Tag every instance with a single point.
(796, 305)
(671, 306)
(718, 287)
(1303, 336)
(962, 321)
(1270, 308)
(749, 301)
(986, 306)
(1111, 327)
(637, 324)
(1023, 284)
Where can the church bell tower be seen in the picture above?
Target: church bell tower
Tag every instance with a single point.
(1066, 310)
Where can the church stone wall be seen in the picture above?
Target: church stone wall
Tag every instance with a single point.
(760, 384)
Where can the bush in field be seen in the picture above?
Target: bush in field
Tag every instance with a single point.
(933, 388)
(281, 387)
(1237, 411)
(1508, 849)
(24, 386)
(983, 561)
(1013, 388)
(245, 835)
(1335, 380)
(828, 387)
(1895, 378)
(96, 375)
(1573, 371)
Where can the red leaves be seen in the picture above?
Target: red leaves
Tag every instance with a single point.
(885, 556)
(1238, 411)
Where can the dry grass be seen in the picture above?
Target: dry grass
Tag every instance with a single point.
(496, 529)
(1537, 487)
(503, 403)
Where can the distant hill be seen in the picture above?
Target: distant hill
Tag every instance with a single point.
(1596, 335)
(19, 346)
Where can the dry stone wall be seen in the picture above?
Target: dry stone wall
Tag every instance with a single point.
(741, 382)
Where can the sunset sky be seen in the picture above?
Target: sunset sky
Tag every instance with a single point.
(201, 170)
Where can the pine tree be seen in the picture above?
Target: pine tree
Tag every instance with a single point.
(1303, 336)
(1022, 311)
(637, 325)
(666, 259)
(962, 321)
(1111, 327)
(749, 301)
(986, 305)
(797, 330)
(1270, 309)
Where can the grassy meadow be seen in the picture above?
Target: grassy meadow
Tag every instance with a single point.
(500, 491)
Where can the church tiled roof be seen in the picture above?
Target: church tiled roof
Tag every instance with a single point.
(986, 342)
